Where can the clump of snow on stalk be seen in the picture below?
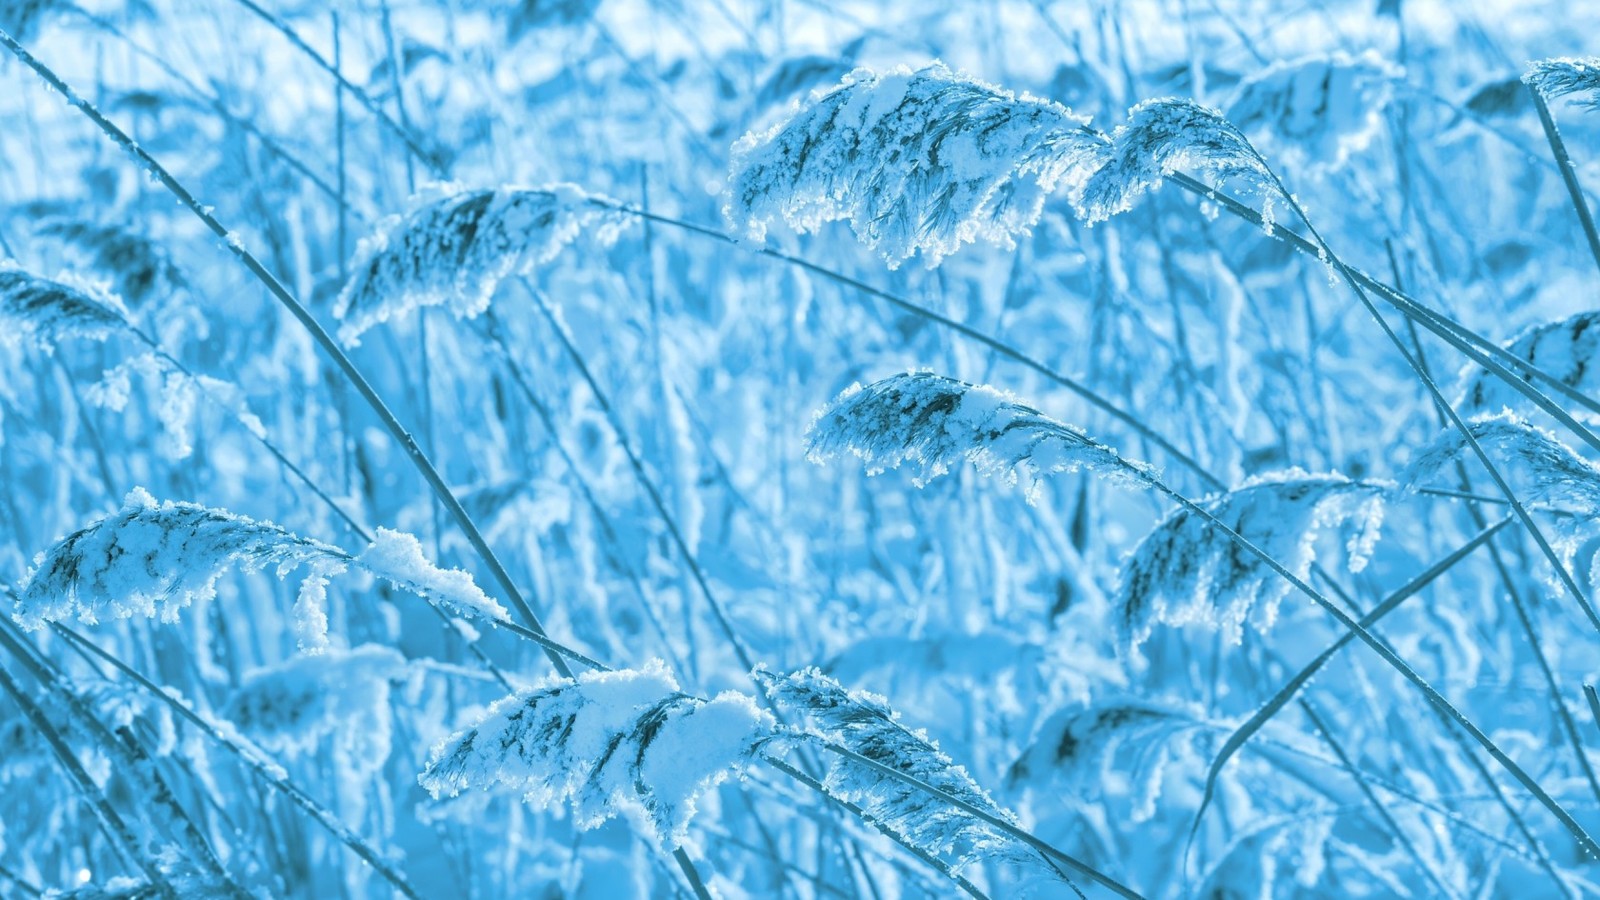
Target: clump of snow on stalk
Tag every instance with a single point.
(1567, 350)
(1320, 109)
(456, 246)
(1161, 138)
(607, 744)
(916, 160)
(396, 557)
(1566, 76)
(45, 312)
(933, 422)
(150, 559)
(865, 723)
(1187, 571)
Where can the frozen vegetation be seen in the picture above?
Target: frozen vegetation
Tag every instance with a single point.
(732, 448)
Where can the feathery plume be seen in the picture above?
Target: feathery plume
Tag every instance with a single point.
(1160, 138)
(607, 743)
(865, 723)
(1077, 749)
(153, 558)
(1567, 349)
(1564, 76)
(454, 250)
(1186, 571)
(290, 706)
(179, 394)
(1553, 473)
(47, 312)
(923, 160)
(1318, 109)
(933, 422)
(137, 265)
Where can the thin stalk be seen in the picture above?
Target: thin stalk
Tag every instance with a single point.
(1050, 853)
(324, 340)
(411, 141)
(265, 769)
(1389, 822)
(1258, 720)
(645, 481)
(115, 827)
(1594, 703)
(1569, 176)
(132, 754)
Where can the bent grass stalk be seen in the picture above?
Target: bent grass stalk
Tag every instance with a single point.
(324, 340)
(261, 767)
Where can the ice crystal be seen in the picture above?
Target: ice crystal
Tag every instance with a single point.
(923, 160)
(1321, 109)
(454, 250)
(46, 312)
(607, 743)
(150, 559)
(1566, 76)
(1187, 571)
(933, 422)
(1162, 137)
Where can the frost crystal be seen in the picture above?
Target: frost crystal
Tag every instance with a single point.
(1564, 76)
(1320, 108)
(1187, 571)
(915, 160)
(607, 743)
(152, 559)
(397, 558)
(455, 250)
(865, 723)
(1162, 137)
(47, 312)
(1566, 350)
(932, 422)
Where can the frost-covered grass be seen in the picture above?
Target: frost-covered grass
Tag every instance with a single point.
(497, 449)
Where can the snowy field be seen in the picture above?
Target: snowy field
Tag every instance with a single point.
(811, 449)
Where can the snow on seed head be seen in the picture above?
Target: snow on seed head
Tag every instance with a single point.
(1566, 76)
(1162, 137)
(1187, 571)
(1317, 109)
(149, 559)
(454, 249)
(930, 423)
(46, 311)
(918, 160)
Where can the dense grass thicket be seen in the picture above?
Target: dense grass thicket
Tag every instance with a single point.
(799, 448)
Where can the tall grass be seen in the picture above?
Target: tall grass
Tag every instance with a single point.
(573, 595)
